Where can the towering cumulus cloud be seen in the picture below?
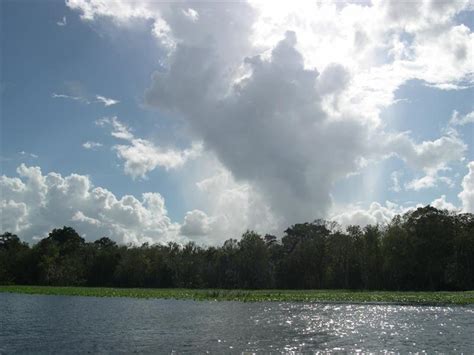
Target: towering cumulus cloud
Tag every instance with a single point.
(268, 127)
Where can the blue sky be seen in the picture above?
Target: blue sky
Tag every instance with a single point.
(200, 134)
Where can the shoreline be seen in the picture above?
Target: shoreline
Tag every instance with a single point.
(410, 298)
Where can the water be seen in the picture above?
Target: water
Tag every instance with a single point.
(51, 324)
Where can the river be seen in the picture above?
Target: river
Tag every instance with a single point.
(61, 324)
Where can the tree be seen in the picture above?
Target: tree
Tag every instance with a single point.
(14, 255)
(371, 258)
(462, 262)
(339, 261)
(133, 268)
(305, 253)
(431, 233)
(424, 249)
(399, 260)
(106, 257)
(253, 261)
(61, 258)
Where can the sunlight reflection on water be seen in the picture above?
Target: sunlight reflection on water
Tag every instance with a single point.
(83, 324)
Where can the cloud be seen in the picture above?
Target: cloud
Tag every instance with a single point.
(449, 86)
(424, 182)
(233, 207)
(70, 97)
(22, 155)
(467, 194)
(383, 44)
(29, 155)
(375, 214)
(253, 96)
(35, 203)
(91, 145)
(429, 156)
(62, 22)
(395, 178)
(141, 156)
(289, 97)
(13, 216)
(106, 101)
(196, 223)
(192, 14)
(430, 180)
(434, 156)
(461, 120)
(98, 99)
(416, 16)
(119, 130)
(270, 129)
(121, 10)
(442, 204)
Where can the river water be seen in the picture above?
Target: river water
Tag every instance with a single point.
(61, 324)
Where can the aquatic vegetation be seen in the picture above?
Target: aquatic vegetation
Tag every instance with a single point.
(343, 296)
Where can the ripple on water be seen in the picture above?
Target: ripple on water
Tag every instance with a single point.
(82, 324)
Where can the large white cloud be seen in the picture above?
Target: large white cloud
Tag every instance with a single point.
(380, 214)
(374, 214)
(35, 203)
(196, 223)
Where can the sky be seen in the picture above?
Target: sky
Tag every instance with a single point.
(153, 122)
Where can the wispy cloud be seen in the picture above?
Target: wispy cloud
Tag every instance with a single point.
(70, 97)
(461, 120)
(119, 130)
(106, 101)
(91, 145)
(395, 177)
(62, 22)
(19, 156)
(29, 155)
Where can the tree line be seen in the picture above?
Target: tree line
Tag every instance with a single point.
(424, 249)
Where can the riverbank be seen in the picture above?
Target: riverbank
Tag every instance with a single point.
(343, 296)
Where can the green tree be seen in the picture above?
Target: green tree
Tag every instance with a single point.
(14, 259)
(105, 259)
(253, 261)
(371, 258)
(305, 255)
(61, 258)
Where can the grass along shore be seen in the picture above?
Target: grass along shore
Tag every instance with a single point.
(342, 296)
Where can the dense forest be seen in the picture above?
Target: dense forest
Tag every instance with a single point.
(425, 249)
